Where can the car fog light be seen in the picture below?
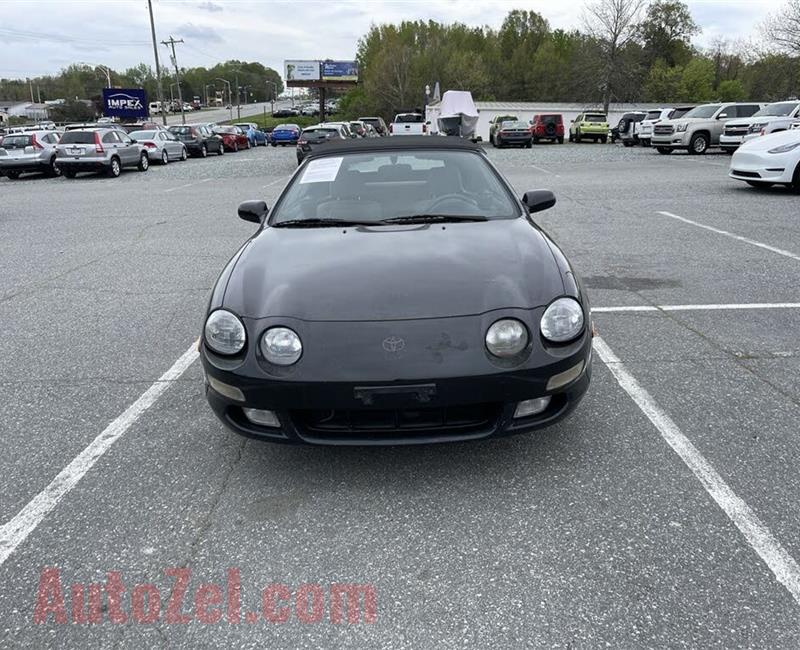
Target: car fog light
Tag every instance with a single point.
(262, 417)
(563, 378)
(531, 407)
(231, 392)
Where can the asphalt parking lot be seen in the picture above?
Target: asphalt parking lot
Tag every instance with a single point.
(662, 513)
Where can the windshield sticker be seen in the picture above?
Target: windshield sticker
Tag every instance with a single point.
(323, 170)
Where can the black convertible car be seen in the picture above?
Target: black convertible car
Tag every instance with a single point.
(398, 292)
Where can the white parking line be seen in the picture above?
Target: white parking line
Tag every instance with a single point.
(17, 530)
(544, 171)
(277, 180)
(711, 307)
(746, 240)
(180, 187)
(758, 536)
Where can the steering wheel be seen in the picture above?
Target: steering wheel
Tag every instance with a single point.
(456, 198)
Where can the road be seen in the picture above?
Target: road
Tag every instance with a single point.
(224, 114)
(663, 513)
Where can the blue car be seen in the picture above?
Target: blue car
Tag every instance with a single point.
(284, 134)
(254, 135)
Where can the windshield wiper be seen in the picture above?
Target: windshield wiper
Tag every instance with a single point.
(320, 223)
(433, 218)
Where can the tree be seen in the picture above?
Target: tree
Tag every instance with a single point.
(666, 32)
(614, 24)
(663, 83)
(783, 28)
(697, 81)
(731, 90)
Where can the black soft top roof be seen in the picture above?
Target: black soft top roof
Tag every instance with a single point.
(395, 143)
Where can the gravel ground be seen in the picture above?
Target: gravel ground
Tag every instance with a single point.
(592, 533)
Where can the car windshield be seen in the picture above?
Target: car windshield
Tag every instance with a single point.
(77, 137)
(679, 112)
(143, 135)
(653, 115)
(319, 133)
(226, 129)
(370, 187)
(181, 130)
(410, 117)
(703, 111)
(550, 118)
(777, 110)
(514, 125)
(595, 117)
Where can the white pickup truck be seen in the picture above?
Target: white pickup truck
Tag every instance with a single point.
(408, 124)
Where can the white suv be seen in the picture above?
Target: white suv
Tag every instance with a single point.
(655, 116)
(782, 116)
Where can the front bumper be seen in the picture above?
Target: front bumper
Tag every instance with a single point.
(766, 167)
(730, 142)
(670, 141)
(419, 394)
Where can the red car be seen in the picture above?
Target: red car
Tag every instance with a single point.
(548, 127)
(233, 138)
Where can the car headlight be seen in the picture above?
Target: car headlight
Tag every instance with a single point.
(281, 346)
(681, 128)
(562, 321)
(224, 332)
(756, 128)
(506, 338)
(785, 148)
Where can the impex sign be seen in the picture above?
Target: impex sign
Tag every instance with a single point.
(125, 102)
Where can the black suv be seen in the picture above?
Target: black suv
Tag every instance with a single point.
(199, 139)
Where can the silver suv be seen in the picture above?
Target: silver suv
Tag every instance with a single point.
(700, 128)
(32, 151)
(101, 149)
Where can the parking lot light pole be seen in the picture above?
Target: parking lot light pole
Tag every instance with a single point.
(272, 96)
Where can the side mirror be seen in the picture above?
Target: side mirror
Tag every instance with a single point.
(722, 116)
(254, 211)
(538, 200)
(133, 141)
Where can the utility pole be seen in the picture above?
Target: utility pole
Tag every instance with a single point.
(158, 67)
(30, 83)
(171, 43)
(238, 99)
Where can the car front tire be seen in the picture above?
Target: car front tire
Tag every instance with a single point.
(144, 163)
(698, 145)
(164, 157)
(184, 154)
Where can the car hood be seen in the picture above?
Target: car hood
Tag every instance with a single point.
(394, 272)
(770, 141)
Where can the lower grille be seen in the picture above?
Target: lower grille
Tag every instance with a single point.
(736, 132)
(388, 423)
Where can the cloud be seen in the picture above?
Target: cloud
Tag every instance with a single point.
(200, 32)
(210, 6)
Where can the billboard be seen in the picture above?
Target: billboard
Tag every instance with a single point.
(301, 70)
(339, 71)
(125, 103)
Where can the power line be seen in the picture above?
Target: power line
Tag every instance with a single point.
(171, 43)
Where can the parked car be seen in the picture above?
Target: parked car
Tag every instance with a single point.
(284, 134)
(408, 124)
(370, 131)
(655, 116)
(34, 151)
(377, 123)
(309, 109)
(700, 128)
(143, 126)
(233, 138)
(345, 127)
(199, 139)
(494, 125)
(286, 112)
(591, 125)
(316, 136)
(106, 150)
(513, 133)
(359, 128)
(628, 127)
(376, 336)
(769, 160)
(778, 116)
(156, 108)
(549, 126)
(253, 133)
(161, 146)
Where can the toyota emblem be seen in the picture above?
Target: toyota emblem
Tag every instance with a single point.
(393, 344)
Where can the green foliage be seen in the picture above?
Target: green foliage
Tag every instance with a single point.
(697, 81)
(72, 111)
(731, 90)
(666, 32)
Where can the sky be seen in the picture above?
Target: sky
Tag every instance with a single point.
(42, 36)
